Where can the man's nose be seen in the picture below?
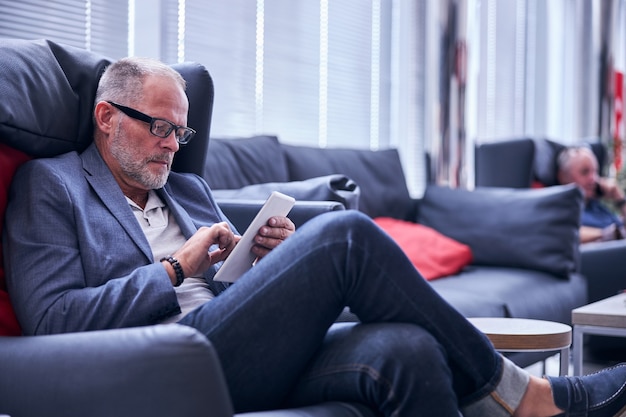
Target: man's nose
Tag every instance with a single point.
(171, 142)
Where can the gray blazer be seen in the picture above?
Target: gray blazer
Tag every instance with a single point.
(76, 257)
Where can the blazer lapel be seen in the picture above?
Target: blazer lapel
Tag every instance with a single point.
(104, 185)
(186, 224)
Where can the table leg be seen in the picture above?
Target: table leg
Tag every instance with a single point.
(577, 345)
(564, 366)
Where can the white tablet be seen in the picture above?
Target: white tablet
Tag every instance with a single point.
(241, 259)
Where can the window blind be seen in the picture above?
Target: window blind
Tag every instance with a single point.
(97, 25)
(310, 72)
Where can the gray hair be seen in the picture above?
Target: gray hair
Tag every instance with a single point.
(566, 156)
(123, 80)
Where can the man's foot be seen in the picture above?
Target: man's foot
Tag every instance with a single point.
(602, 394)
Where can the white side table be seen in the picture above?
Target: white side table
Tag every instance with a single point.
(605, 318)
(527, 335)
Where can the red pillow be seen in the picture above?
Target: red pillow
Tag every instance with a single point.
(10, 160)
(8, 322)
(433, 254)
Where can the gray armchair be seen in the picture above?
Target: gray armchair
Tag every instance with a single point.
(149, 371)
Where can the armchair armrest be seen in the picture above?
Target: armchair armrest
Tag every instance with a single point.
(602, 263)
(241, 212)
(165, 370)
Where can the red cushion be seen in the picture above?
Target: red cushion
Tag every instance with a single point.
(433, 254)
(8, 322)
(10, 160)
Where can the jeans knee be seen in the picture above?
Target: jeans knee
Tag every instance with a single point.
(397, 350)
(411, 347)
(343, 223)
(395, 367)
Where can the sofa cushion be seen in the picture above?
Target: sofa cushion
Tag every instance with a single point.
(519, 292)
(518, 228)
(327, 188)
(238, 162)
(10, 160)
(51, 120)
(379, 174)
(472, 304)
(433, 254)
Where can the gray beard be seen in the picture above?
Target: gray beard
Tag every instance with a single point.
(136, 169)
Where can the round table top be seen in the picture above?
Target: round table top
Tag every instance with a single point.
(513, 334)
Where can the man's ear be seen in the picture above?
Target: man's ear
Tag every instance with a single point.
(103, 115)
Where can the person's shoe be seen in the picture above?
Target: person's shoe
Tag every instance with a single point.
(602, 394)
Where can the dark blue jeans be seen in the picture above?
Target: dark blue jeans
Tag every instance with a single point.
(413, 354)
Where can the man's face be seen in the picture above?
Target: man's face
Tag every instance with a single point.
(139, 160)
(151, 170)
(584, 172)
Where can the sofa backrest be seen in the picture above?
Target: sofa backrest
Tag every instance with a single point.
(375, 178)
(379, 175)
(239, 162)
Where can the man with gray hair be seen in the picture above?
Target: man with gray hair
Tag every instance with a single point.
(578, 164)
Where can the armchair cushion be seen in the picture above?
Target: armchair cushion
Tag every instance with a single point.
(9, 325)
(518, 228)
(10, 160)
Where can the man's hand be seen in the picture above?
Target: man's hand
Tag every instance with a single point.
(610, 189)
(268, 237)
(194, 256)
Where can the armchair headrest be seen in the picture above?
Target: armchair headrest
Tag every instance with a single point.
(47, 96)
(547, 154)
(48, 92)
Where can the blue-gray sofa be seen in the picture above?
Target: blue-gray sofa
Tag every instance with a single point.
(524, 242)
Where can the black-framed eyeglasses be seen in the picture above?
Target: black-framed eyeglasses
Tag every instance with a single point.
(158, 127)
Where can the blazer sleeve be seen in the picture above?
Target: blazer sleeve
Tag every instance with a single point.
(71, 264)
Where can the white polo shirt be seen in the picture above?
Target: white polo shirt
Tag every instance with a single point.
(165, 238)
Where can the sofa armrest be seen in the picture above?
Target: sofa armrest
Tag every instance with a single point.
(166, 370)
(602, 263)
(241, 212)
